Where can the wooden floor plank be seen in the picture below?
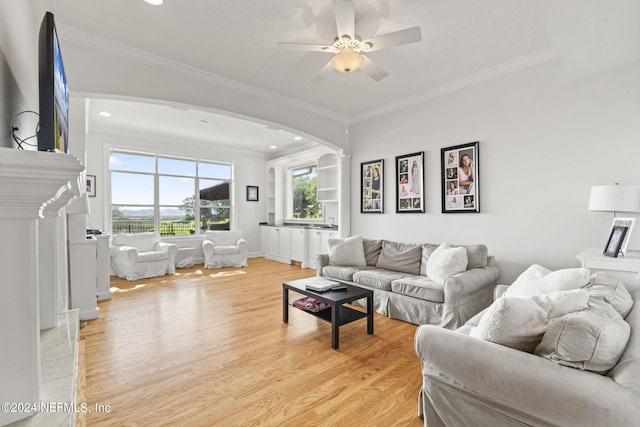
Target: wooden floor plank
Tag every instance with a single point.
(209, 347)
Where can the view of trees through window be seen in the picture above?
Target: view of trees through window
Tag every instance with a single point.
(304, 185)
(172, 196)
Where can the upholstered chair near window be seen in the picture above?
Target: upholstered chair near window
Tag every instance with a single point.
(142, 255)
(224, 249)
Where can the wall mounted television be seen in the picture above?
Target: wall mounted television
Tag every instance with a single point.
(53, 91)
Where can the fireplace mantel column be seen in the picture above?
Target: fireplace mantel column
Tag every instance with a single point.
(29, 182)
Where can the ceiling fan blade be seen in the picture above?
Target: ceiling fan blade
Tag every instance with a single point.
(345, 12)
(323, 72)
(307, 47)
(373, 70)
(410, 35)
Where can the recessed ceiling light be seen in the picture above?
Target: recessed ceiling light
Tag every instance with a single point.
(297, 138)
(273, 147)
(154, 2)
(104, 114)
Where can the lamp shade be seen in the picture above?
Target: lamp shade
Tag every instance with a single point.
(347, 61)
(615, 198)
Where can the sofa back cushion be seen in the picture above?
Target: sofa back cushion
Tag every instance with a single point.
(347, 252)
(427, 250)
(403, 257)
(144, 242)
(611, 290)
(372, 248)
(477, 256)
(223, 237)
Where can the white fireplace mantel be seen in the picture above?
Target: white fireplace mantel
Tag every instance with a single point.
(30, 181)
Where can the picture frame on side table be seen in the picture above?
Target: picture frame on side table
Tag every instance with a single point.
(252, 193)
(616, 237)
(91, 185)
(372, 186)
(624, 222)
(410, 183)
(460, 166)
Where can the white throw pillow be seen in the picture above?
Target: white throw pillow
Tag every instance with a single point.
(520, 322)
(538, 280)
(347, 252)
(446, 261)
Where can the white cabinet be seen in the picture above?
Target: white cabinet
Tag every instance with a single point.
(284, 248)
(317, 244)
(298, 246)
(82, 277)
(327, 182)
(278, 244)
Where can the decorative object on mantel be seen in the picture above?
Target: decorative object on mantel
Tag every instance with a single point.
(252, 193)
(372, 186)
(616, 198)
(410, 183)
(91, 185)
(460, 184)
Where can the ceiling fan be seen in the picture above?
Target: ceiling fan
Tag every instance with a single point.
(349, 49)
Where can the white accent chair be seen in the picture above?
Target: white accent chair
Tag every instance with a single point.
(142, 255)
(224, 249)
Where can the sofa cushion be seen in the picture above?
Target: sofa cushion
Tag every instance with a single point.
(446, 261)
(378, 278)
(538, 280)
(372, 248)
(144, 242)
(403, 257)
(427, 250)
(611, 290)
(477, 256)
(341, 273)
(152, 256)
(520, 322)
(592, 339)
(346, 252)
(419, 287)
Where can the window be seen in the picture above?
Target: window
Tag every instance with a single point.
(154, 193)
(303, 196)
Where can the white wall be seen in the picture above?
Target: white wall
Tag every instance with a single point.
(544, 141)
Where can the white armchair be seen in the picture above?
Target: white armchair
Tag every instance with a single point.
(142, 255)
(224, 249)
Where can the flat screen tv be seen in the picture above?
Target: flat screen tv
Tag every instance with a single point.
(54, 93)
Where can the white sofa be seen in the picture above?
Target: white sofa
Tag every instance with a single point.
(224, 248)
(142, 255)
(584, 372)
(414, 282)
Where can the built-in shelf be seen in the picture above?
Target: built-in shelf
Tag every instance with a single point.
(327, 183)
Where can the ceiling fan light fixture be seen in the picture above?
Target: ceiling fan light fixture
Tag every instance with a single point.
(347, 62)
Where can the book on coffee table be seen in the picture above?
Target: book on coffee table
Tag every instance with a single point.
(321, 285)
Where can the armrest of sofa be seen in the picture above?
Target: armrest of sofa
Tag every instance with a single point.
(172, 248)
(207, 248)
(469, 282)
(322, 260)
(499, 290)
(523, 386)
(242, 244)
(123, 258)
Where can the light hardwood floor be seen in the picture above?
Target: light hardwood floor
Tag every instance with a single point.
(209, 348)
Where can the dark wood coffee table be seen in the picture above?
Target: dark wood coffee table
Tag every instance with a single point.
(337, 314)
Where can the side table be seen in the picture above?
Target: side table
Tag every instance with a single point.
(185, 257)
(626, 268)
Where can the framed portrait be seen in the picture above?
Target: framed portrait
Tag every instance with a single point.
(371, 186)
(91, 185)
(460, 178)
(624, 222)
(252, 193)
(410, 183)
(616, 237)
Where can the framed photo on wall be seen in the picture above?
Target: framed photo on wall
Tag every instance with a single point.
(460, 178)
(252, 193)
(616, 237)
(410, 183)
(91, 185)
(371, 186)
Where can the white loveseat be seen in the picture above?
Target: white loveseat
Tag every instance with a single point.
(142, 255)
(417, 283)
(584, 369)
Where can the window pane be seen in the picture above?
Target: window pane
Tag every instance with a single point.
(214, 170)
(176, 167)
(214, 218)
(132, 162)
(214, 192)
(176, 191)
(131, 189)
(131, 219)
(304, 185)
(176, 222)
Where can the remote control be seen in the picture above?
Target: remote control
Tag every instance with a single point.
(339, 288)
